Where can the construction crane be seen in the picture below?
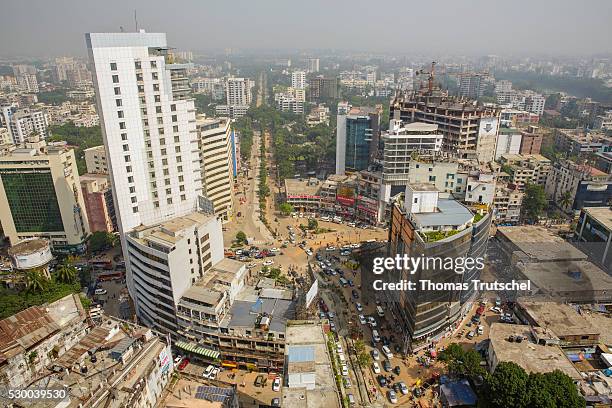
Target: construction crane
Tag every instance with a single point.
(431, 73)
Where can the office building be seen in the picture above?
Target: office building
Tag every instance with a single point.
(238, 91)
(98, 198)
(95, 160)
(323, 88)
(313, 65)
(149, 131)
(40, 196)
(215, 142)
(531, 140)
(357, 137)
(166, 259)
(594, 234)
(22, 123)
(467, 128)
(231, 111)
(298, 79)
(426, 225)
(472, 85)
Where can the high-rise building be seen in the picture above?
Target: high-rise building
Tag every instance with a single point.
(28, 83)
(217, 169)
(313, 65)
(298, 79)
(40, 196)
(238, 91)
(323, 88)
(425, 225)
(472, 85)
(467, 127)
(357, 136)
(149, 131)
(95, 160)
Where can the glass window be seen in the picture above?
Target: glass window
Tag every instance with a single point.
(113, 66)
(117, 91)
(115, 79)
(118, 102)
(153, 64)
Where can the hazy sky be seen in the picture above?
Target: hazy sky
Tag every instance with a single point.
(564, 27)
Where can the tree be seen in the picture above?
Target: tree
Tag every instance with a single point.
(359, 346)
(241, 237)
(554, 389)
(534, 203)
(507, 386)
(565, 200)
(66, 272)
(35, 281)
(286, 208)
(364, 359)
(313, 224)
(101, 240)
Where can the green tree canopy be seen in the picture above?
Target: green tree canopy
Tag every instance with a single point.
(241, 237)
(101, 240)
(286, 208)
(534, 202)
(66, 272)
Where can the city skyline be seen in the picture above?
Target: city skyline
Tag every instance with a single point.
(570, 30)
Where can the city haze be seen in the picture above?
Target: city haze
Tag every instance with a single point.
(563, 27)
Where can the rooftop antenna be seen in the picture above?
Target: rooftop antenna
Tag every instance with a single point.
(135, 20)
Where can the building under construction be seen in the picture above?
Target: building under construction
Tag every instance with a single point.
(469, 129)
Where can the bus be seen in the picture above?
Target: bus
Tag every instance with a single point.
(102, 263)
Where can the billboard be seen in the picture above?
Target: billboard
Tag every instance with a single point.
(164, 360)
(312, 292)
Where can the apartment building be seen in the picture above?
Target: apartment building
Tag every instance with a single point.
(298, 79)
(313, 65)
(531, 140)
(572, 186)
(472, 85)
(289, 102)
(40, 196)
(22, 123)
(238, 91)
(318, 115)
(603, 122)
(27, 82)
(321, 87)
(507, 204)
(95, 160)
(217, 168)
(577, 141)
(526, 169)
(508, 142)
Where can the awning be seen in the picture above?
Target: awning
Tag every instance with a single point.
(194, 348)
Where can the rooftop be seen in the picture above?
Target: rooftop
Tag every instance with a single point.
(169, 232)
(539, 244)
(300, 187)
(450, 212)
(245, 313)
(458, 394)
(534, 358)
(561, 318)
(603, 215)
(28, 247)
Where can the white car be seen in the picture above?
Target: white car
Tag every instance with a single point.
(359, 307)
(268, 262)
(325, 219)
(362, 319)
(177, 360)
(480, 330)
(351, 224)
(275, 250)
(392, 396)
(100, 292)
(496, 309)
(371, 321)
(339, 348)
(387, 352)
(345, 369)
(403, 388)
(375, 368)
(208, 371)
(331, 248)
(357, 245)
(375, 355)
(330, 315)
(276, 384)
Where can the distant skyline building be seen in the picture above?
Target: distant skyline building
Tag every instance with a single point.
(323, 88)
(238, 91)
(298, 79)
(313, 65)
(472, 85)
(24, 122)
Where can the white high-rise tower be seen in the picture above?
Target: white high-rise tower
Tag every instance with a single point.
(149, 129)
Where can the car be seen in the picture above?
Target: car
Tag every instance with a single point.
(268, 262)
(387, 352)
(362, 319)
(347, 382)
(308, 252)
(352, 224)
(392, 396)
(403, 388)
(183, 364)
(345, 253)
(332, 326)
(331, 272)
(375, 368)
(375, 354)
(480, 329)
(276, 384)
(355, 294)
(339, 348)
(344, 369)
(387, 365)
(375, 336)
(382, 381)
(325, 219)
(471, 334)
(331, 315)
(356, 245)
(359, 307)
(330, 249)
(496, 309)
(259, 380)
(397, 370)
(371, 321)
(177, 360)
(100, 292)
(208, 371)
(275, 402)
(396, 387)
(275, 250)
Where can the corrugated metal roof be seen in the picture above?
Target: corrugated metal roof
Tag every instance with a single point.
(297, 354)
